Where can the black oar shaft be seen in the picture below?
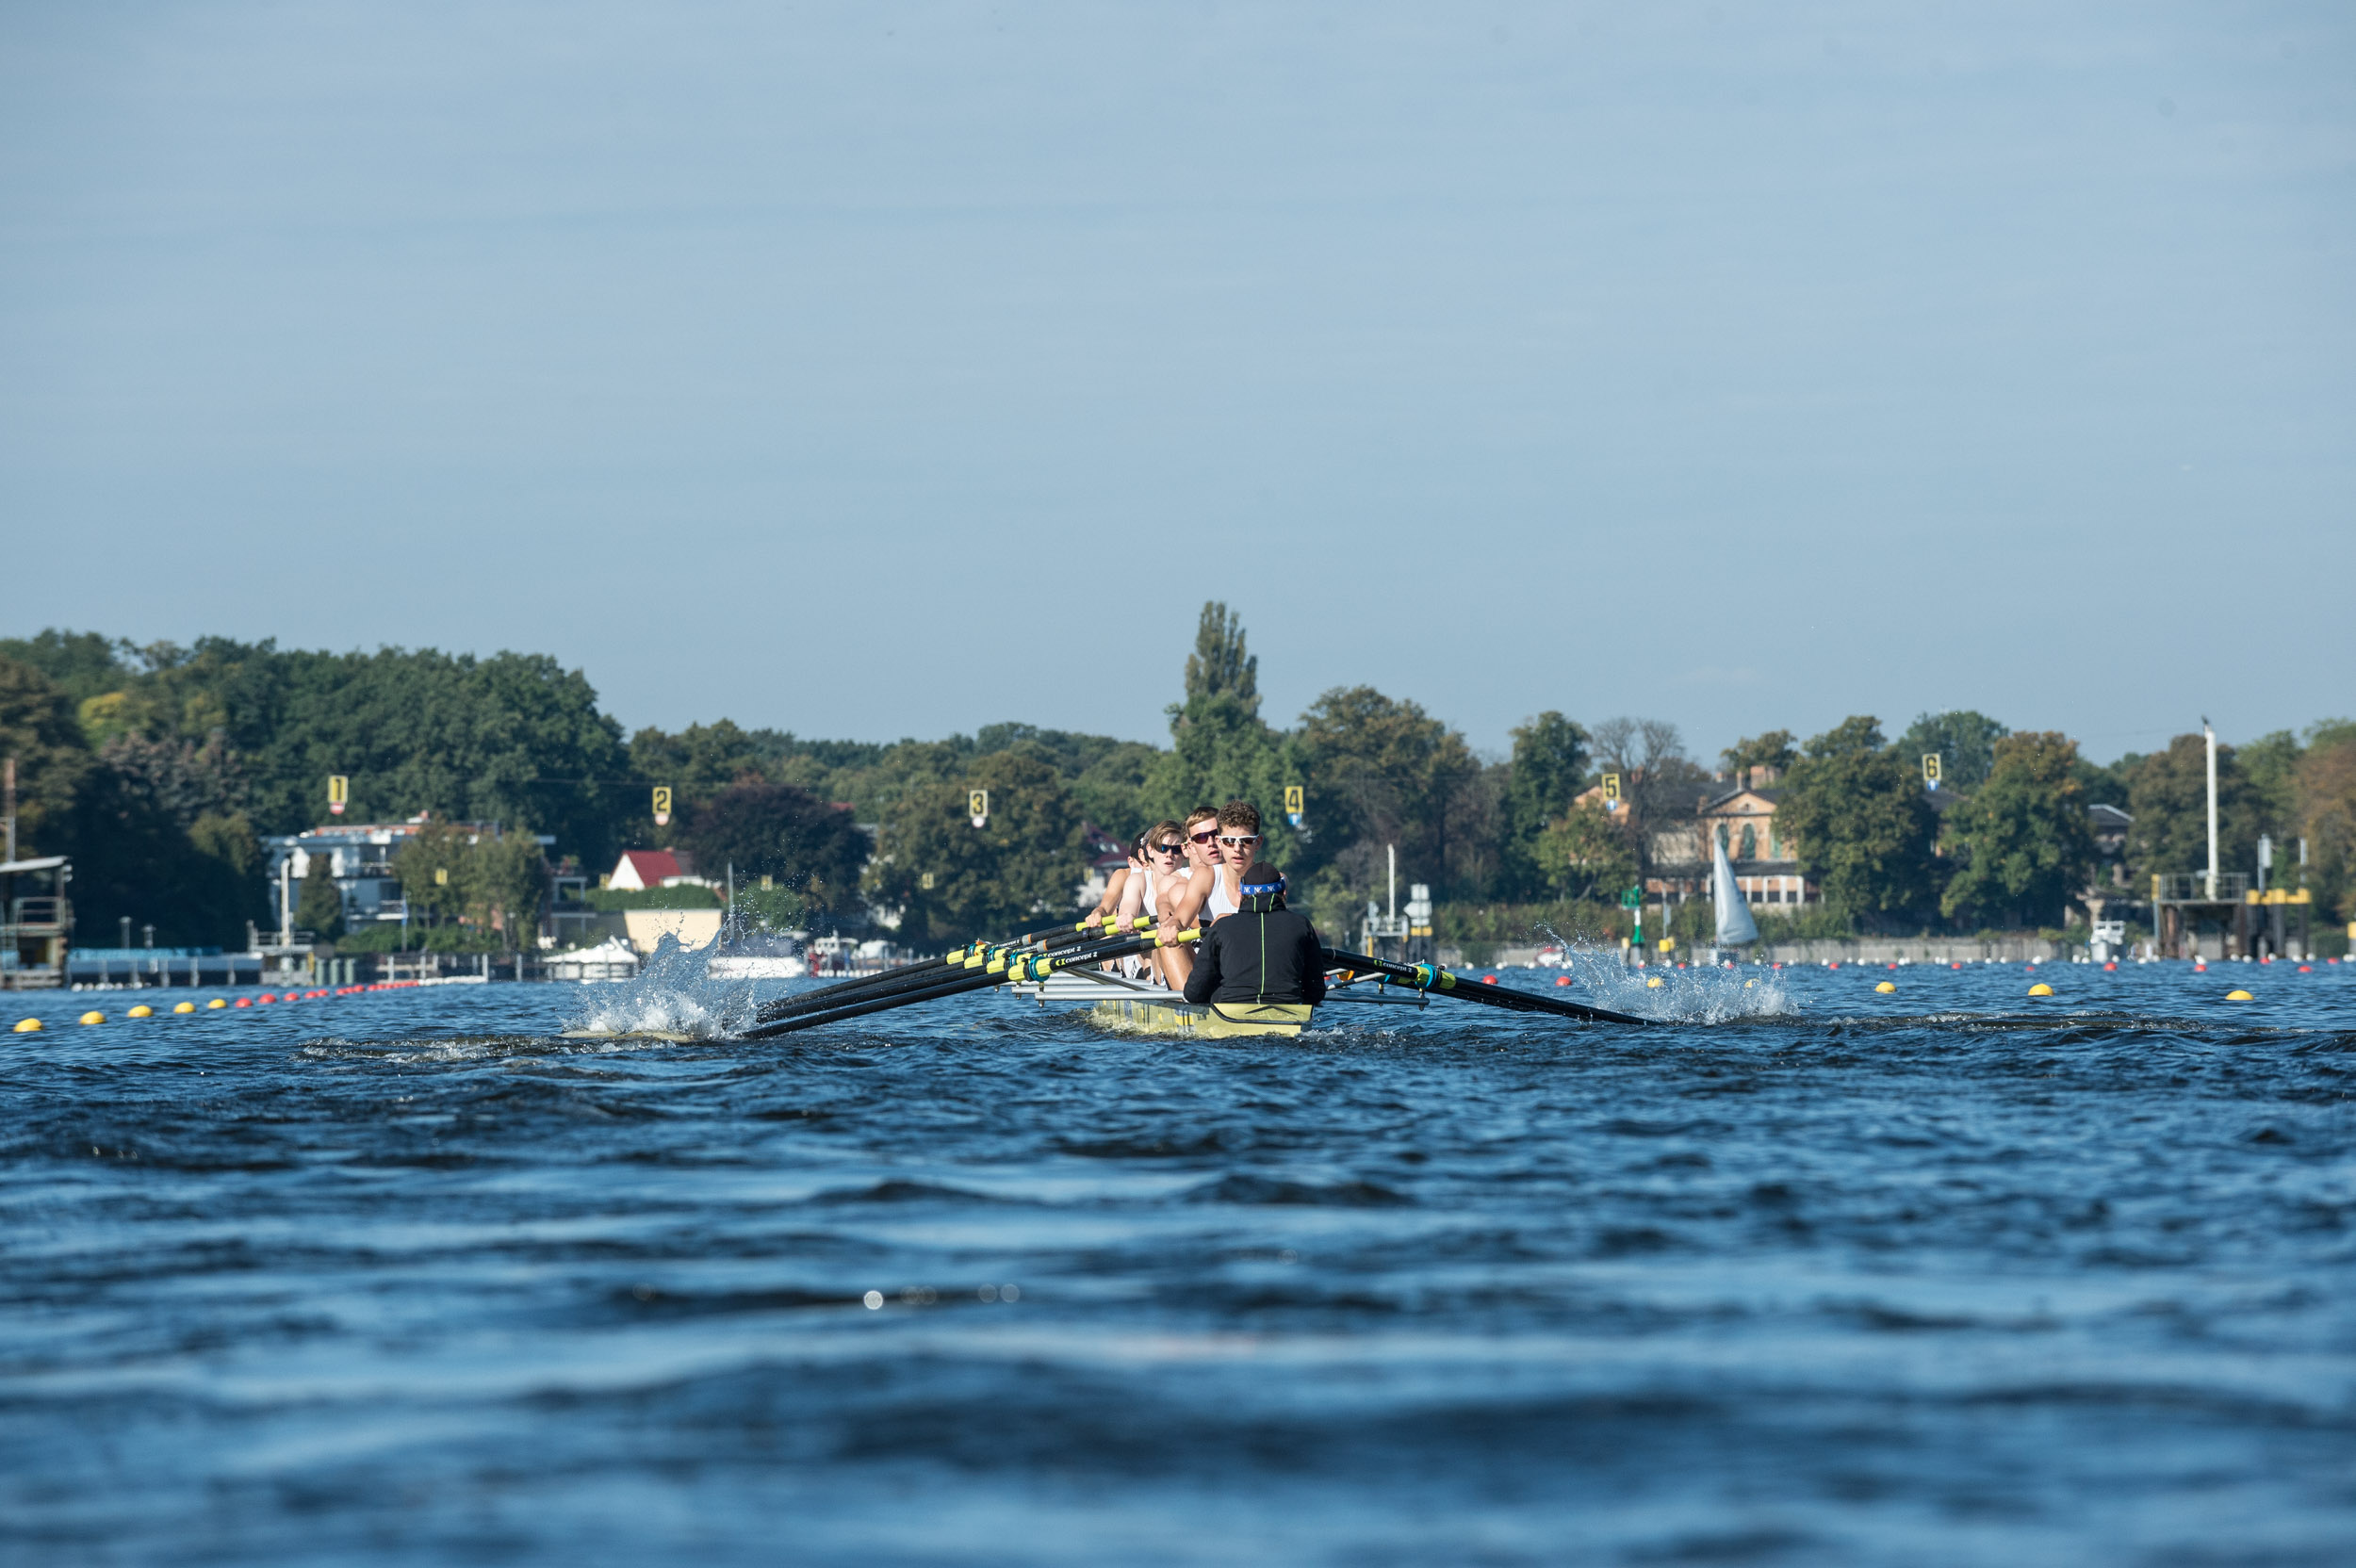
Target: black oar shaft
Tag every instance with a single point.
(930, 972)
(908, 997)
(1036, 967)
(1438, 981)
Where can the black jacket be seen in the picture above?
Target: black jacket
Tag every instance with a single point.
(1259, 957)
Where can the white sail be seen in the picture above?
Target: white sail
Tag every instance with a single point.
(1735, 925)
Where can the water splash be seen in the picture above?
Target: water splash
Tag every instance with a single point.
(1702, 994)
(673, 994)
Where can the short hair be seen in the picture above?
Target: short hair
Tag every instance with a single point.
(1239, 813)
(1149, 837)
(1201, 813)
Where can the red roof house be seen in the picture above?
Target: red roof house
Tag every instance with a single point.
(641, 868)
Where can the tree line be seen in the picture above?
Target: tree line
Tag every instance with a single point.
(160, 768)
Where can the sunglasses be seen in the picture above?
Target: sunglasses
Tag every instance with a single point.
(1237, 840)
(1170, 849)
(1204, 837)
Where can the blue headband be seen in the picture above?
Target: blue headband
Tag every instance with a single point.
(1275, 887)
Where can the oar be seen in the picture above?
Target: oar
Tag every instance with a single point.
(961, 960)
(1428, 977)
(998, 971)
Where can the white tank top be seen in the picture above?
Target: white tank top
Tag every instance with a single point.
(1152, 878)
(1219, 905)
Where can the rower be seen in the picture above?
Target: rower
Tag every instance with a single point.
(1262, 953)
(1185, 905)
(1237, 846)
(1161, 863)
(1117, 883)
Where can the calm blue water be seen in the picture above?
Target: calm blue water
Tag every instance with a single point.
(1946, 1277)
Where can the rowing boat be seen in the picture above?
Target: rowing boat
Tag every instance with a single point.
(1204, 1020)
(1125, 1005)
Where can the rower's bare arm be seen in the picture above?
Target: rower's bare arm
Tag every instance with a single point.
(1115, 885)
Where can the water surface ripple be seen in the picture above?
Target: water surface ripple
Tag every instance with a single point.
(1944, 1277)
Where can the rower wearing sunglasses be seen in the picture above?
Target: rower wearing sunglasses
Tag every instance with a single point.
(1188, 897)
(1221, 845)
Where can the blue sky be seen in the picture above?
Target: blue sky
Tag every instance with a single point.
(891, 369)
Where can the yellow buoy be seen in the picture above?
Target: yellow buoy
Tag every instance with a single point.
(93, 1017)
(186, 1008)
(143, 1010)
(2040, 988)
(1886, 988)
(217, 1002)
(1652, 982)
(28, 1026)
(2239, 996)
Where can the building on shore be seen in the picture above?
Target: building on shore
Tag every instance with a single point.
(359, 856)
(1742, 818)
(36, 921)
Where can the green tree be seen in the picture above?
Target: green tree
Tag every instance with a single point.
(508, 738)
(1964, 742)
(1111, 791)
(1547, 771)
(1661, 786)
(2168, 798)
(506, 880)
(82, 664)
(432, 868)
(1219, 666)
(1381, 771)
(776, 830)
(38, 730)
(1774, 749)
(487, 881)
(2271, 763)
(1586, 855)
(1854, 814)
(226, 888)
(1221, 751)
(954, 882)
(2327, 817)
(698, 764)
(319, 908)
(2021, 841)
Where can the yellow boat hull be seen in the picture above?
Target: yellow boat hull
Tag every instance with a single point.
(1213, 1022)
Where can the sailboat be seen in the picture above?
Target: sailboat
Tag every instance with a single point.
(1735, 926)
